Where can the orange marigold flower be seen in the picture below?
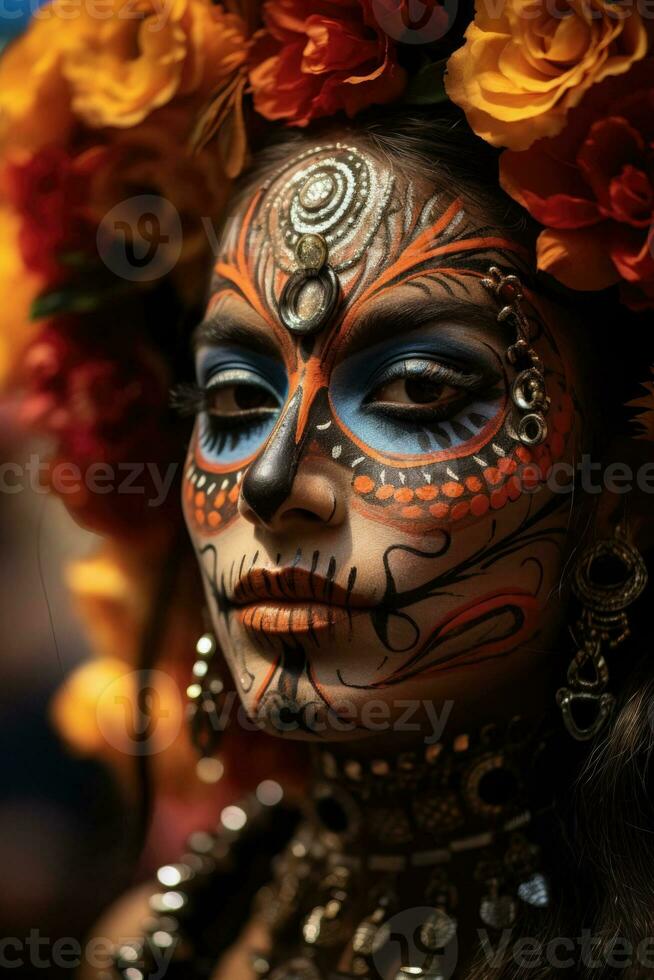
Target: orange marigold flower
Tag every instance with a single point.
(314, 59)
(526, 63)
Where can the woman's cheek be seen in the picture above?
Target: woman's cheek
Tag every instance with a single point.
(210, 492)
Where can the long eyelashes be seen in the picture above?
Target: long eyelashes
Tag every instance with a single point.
(221, 433)
(188, 399)
(433, 391)
(192, 399)
(214, 440)
(409, 402)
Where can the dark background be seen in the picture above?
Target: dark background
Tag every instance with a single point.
(66, 835)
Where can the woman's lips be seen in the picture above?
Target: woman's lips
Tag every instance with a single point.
(293, 600)
(271, 616)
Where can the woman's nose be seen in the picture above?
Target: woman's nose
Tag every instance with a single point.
(312, 499)
(281, 487)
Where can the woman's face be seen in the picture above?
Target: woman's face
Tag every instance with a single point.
(374, 540)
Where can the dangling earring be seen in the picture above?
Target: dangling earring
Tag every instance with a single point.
(529, 391)
(205, 694)
(610, 576)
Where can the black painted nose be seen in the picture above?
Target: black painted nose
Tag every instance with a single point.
(269, 479)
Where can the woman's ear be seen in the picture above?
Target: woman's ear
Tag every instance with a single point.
(627, 493)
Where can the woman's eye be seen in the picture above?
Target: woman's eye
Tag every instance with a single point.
(240, 408)
(420, 390)
(239, 400)
(417, 402)
(415, 391)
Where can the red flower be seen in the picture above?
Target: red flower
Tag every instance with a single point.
(593, 189)
(103, 402)
(314, 59)
(102, 397)
(50, 192)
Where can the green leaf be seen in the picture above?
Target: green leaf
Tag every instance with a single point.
(64, 301)
(427, 86)
(77, 260)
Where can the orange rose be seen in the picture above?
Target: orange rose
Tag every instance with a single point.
(146, 54)
(522, 69)
(316, 59)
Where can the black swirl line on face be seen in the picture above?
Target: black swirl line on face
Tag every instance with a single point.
(397, 601)
(293, 654)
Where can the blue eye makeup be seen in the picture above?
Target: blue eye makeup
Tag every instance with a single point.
(240, 395)
(423, 395)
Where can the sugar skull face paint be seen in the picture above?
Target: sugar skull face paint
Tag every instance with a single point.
(368, 525)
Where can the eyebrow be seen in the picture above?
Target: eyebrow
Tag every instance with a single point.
(382, 324)
(224, 328)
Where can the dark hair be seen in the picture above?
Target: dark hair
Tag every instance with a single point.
(603, 851)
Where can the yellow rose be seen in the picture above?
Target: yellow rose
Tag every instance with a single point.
(18, 288)
(527, 62)
(149, 53)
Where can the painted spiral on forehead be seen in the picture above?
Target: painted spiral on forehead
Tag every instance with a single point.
(335, 191)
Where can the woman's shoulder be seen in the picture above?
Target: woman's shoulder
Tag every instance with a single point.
(196, 911)
(121, 925)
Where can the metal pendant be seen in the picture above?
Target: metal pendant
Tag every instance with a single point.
(311, 253)
(599, 676)
(535, 891)
(567, 699)
(498, 911)
(437, 930)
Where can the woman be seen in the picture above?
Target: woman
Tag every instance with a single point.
(416, 561)
(388, 569)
